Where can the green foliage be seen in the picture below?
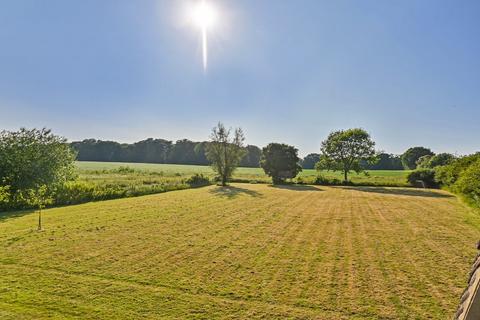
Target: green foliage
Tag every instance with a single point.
(441, 159)
(469, 183)
(280, 161)
(310, 161)
(32, 158)
(424, 161)
(252, 157)
(462, 176)
(4, 197)
(225, 151)
(198, 180)
(151, 150)
(125, 170)
(422, 178)
(432, 162)
(325, 181)
(39, 198)
(384, 161)
(347, 150)
(411, 156)
(449, 174)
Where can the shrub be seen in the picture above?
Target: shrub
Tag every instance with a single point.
(422, 177)
(198, 180)
(280, 161)
(80, 191)
(469, 184)
(124, 170)
(31, 158)
(441, 159)
(449, 174)
(324, 181)
(4, 197)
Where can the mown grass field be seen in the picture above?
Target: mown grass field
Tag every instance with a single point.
(99, 172)
(248, 251)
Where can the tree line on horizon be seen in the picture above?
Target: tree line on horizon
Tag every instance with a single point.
(189, 152)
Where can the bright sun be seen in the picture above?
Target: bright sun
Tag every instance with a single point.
(204, 17)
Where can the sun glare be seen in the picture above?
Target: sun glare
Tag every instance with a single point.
(204, 17)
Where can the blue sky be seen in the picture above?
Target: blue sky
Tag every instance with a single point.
(284, 70)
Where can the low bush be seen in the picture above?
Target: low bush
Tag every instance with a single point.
(198, 180)
(124, 170)
(324, 181)
(422, 178)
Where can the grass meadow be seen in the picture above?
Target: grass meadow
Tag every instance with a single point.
(146, 173)
(246, 251)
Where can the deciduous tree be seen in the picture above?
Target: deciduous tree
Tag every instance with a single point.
(32, 158)
(347, 150)
(225, 151)
(280, 161)
(411, 156)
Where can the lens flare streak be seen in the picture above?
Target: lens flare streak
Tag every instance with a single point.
(204, 48)
(204, 17)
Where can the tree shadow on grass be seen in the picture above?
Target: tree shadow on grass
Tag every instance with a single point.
(296, 187)
(232, 192)
(401, 191)
(4, 216)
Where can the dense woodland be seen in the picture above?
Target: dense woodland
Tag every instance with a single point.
(155, 151)
(190, 152)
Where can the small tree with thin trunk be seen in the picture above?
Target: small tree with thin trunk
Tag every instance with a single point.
(347, 150)
(39, 199)
(225, 151)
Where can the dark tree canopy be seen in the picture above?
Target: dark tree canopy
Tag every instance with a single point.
(441, 159)
(225, 150)
(33, 158)
(155, 151)
(384, 161)
(252, 157)
(310, 161)
(347, 150)
(280, 161)
(411, 156)
(182, 152)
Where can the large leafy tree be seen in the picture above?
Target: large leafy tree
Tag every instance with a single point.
(347, 150)
(412, 155)
(225, 151)
(33, 158)
(280, 161)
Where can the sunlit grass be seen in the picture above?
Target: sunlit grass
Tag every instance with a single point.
(97, 171)
(247, 251)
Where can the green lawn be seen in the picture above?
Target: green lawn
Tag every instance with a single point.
(250, 251)
(99, 170)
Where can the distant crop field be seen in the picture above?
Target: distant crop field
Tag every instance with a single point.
(92, 170)
(248, 251)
